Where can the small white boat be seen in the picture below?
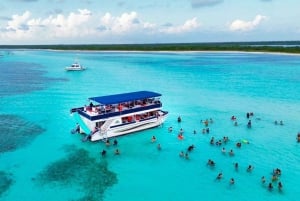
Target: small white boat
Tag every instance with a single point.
(76, 66)
(120, 114)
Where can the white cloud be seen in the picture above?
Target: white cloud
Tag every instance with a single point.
(82, 24)
(18, 21)
(125, 23)
(240, 25)
(188, 26)
(75, 24)
(23, 27)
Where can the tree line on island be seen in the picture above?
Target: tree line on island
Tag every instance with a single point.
(267, 46)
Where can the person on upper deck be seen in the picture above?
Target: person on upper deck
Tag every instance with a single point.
(91, 104)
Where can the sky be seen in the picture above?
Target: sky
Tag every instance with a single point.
(26, 22)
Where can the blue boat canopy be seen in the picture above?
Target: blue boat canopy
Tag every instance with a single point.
(125, 97)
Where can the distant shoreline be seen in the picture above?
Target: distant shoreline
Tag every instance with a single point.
(289, 47)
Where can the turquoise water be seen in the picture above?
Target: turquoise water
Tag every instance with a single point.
(41, 160)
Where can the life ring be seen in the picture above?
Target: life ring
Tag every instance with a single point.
(180, 137)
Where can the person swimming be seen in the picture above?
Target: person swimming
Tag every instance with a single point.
(277, 172)
(274, 177)
(117, 152)
(231, 181)
(115, 143)
(249, 124)
(250, 168)
(225, 139)
(231, 153)
(206, 122)
(180, 136)
(103, 153)
(236, 166)
(238, 144)
(153, 139)
(280, 186)
(191, 147)
(220, 176)
(270, 186)
(263, 179)
(181, 154)
(179, 119)
(211, 163)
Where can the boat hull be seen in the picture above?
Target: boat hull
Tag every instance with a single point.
(128, 129)
(74, 69)
(120, 130)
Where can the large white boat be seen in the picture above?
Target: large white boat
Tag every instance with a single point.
(119, 114)
(76, 66)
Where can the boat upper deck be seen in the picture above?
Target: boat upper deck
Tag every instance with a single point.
(125, 97)
(120, 104)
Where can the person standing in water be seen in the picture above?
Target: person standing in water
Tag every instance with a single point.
(179, 119)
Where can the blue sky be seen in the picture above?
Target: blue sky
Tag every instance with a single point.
(147, 21)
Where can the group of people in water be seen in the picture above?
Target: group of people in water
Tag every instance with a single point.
(275, 178)
(107, 144)
(219, 142)
(280, 122)
(185, 154)
(220, 176)
(248, 116)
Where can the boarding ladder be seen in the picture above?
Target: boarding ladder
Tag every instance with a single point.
(105, 126)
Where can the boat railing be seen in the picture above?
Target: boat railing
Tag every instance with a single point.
(103, 115)
(76, 109)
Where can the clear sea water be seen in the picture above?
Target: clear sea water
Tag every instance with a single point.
(41, 160)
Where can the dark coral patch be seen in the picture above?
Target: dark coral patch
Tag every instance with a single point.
(5, 182)
(21, 77)
(15, 132)
(80, 170)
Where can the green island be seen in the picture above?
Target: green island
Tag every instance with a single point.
(267, 46)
